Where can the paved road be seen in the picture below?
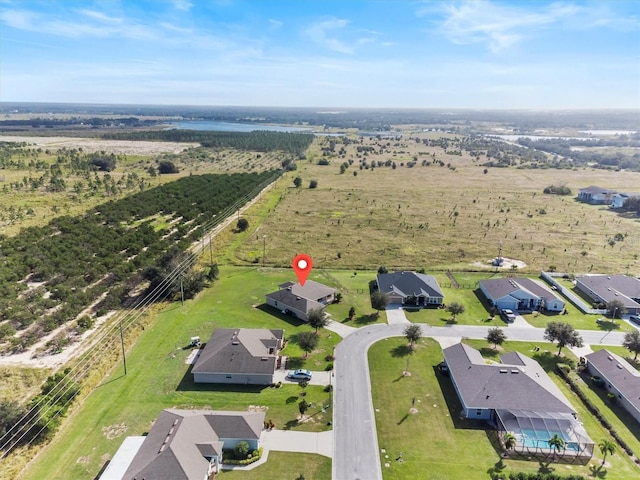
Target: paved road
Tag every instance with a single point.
(355, 445)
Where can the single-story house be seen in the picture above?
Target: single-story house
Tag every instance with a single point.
(604, 288)
(520, 294)
(187, 445)
(595, 195)
(618, 199)
(299, 300)
(518, 397)
(410, 288)
(239, 355)
(619, 377)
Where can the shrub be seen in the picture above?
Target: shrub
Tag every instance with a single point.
(328, 388)
(313, 184)
(242, 449)
(329, 367)
(242, 224)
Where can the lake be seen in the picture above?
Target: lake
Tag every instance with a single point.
(211, 126)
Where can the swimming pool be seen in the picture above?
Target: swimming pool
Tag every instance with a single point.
(540, 439)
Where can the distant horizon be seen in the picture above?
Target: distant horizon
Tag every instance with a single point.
(410, 54)
(330, 110)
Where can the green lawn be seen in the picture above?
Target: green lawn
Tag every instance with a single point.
(435, 439)
(158, 377)
(285, 466)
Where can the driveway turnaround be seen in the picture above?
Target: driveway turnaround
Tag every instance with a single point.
(356, 455)
(302, 442)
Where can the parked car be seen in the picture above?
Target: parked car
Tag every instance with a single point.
(507, 315)
(299, 374)
(634, 319)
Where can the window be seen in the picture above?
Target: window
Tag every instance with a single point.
(228, 376)
(276, 303)
(478, 412)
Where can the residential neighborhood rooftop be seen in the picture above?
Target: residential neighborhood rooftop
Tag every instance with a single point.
(619, 373)
(240, 350)
(518, 383)
(179, 441)
(408, 284)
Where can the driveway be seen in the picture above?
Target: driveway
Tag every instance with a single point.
(317, 378)
(356, 454)
(302, 442)
(340, 328)
(395, 315)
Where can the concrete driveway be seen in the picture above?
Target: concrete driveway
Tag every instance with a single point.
(317, 378)
(293, 441)
(395, 315)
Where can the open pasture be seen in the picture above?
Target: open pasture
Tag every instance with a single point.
(442, 217)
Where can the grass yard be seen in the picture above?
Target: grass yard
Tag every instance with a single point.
(439, 218)
(285, 466)
(158, 377)
(435, 439)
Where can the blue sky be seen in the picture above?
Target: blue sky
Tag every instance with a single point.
(323, 53)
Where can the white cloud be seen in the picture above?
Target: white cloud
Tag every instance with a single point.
(182, 4)
(320, 32)
(501, 26)
(275, 24)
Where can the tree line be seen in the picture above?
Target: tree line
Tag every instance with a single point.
(258, 141)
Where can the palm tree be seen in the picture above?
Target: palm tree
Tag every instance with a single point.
(606, 447)
(557, 443)
(509, 440)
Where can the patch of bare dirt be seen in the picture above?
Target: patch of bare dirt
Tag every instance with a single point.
(120, 147)
(507, 264)
(113, 431)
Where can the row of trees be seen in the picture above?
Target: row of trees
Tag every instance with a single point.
(257, 141)
(78, 259)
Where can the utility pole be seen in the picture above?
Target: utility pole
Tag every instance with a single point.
(181, 290)
(124, 358)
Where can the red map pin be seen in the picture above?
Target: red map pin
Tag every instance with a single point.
(302, 265)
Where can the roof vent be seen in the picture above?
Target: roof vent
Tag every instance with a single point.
(297, 298)
(264, 359)
(502, 370)
(619, 366)
(515, 371)
(610, 358)
(235, 343)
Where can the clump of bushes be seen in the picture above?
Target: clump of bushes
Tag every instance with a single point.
(557, 190)
(251, 457)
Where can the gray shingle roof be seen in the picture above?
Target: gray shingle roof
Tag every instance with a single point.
(240, 350)
(517, 383)
(302, 298)
(613, 287)
(501, 287)
(179, 440)
(619, 373)
(409, 284)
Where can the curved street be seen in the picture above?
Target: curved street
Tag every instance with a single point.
(355, 441)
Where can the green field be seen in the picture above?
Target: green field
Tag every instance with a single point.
(435, 439)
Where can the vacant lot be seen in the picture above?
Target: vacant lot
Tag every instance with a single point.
(434, 439)
(441, 217)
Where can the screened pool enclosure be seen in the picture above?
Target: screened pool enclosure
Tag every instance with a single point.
(534, 430)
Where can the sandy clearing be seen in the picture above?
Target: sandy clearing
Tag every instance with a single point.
(120, 147)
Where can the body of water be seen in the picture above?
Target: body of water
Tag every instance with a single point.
(211, 126)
